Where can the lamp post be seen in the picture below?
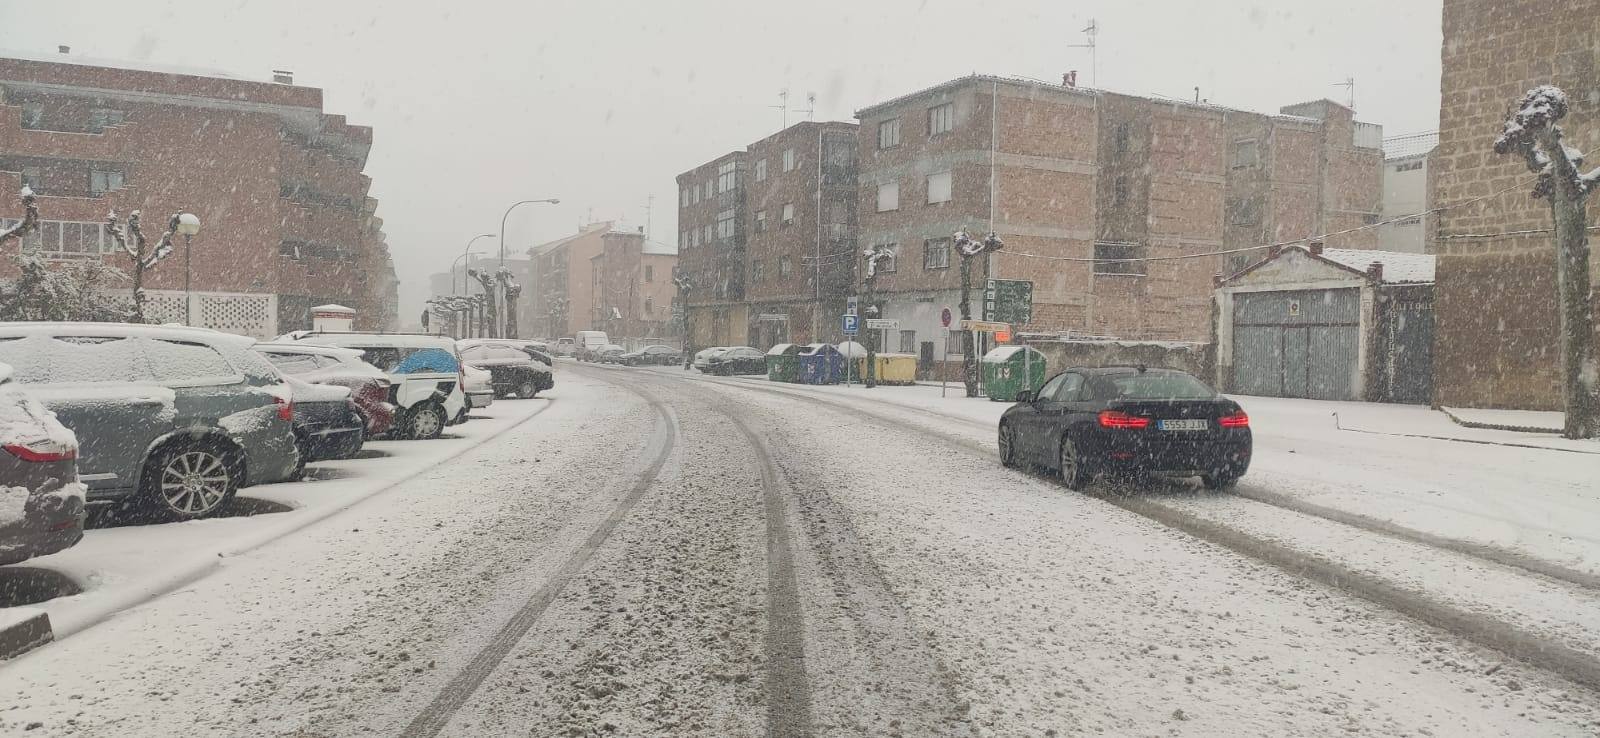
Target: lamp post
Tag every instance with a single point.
(875, 256)
(968, 249)
(464, 252)
(548, 200)
(188, 224)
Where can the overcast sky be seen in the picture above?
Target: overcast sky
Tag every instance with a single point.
(476, 105)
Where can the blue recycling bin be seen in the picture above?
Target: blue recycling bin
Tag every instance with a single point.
(821, 363)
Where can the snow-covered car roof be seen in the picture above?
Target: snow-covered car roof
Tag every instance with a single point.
(310, 348)
(379, 340)
(172, 333)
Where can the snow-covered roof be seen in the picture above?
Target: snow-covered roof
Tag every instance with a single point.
(1398, 267)
(137, 65)
(331, 307)
(660, 249)
(1411, 144)
(592, 228)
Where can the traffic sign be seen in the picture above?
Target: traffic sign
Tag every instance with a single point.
(850, 308)
(945, 317)
(849, 324)
(883, 323)
(1008, 300)
(984, 326)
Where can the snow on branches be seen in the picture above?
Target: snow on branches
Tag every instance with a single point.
(30, 217)
(1532, 133)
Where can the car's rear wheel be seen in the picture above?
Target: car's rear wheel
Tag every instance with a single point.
(527, 388)
(1008, 446)
(425, 421)
(191, 480)
(1069, 463)
(1220, 480)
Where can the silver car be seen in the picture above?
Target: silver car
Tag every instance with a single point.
(41, 500)
(175, 420)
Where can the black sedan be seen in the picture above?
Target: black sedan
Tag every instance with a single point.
(738, 360)
(661, 355)
(1127, 420)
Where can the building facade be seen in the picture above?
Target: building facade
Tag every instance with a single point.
(1407, 191)
(560, 286)
(1497, 337)
(1081, 184)
(633, 290)
(713, 226)
(286, 223)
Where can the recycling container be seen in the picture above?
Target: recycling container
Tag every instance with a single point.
(821, 363)
(1007, 370)
(783, 363)
(896, 368)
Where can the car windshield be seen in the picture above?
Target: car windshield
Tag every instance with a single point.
(1148, 386)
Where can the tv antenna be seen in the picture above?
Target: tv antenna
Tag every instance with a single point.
(1089, 33)
(783, 105)
(1349, 84)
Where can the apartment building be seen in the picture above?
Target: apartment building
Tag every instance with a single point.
(286, 223)
(560, 286)
(1496, 343)
(632, 288)
(1407, 192)
(712, 223)
(1078, 181)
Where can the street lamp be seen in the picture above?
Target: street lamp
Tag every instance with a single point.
(467, 250)
(548, 200)
(188, 224)
(969, 249)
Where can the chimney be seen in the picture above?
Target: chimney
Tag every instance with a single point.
(63, 49)
(1070, 79)
(1316, 248)
(283, 76)
(1375, 271)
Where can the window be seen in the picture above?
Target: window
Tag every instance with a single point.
(1150, 385)
(839, 152)
(1119, 192)
(683, 239)
(694, 194)
(788, 213)
(1369, 218)
(303, 364)
(785, 267)
(48, 360)
(99, 118)
(1053, 387)
(938, 187)
(1409, 166)
(1110, 258)
(908, 342)
(182, 361)
(103, 181)
(32, 115)
(941, 119)
(936, 253)
(710, 183)
(757, 271)
(1068, 391)
(725, 224)
(789, 162)
(1121, 138)
(67, 239)
(705, 234)
(761, 170)
(761, 221)
(889, 134)
(892, 261)
(33, 179)
(649, 304)
(1244, 212)
(727, 175)
(649, 273)
(694, 237)
(683, 197)
(888, 196)
(1245, 154)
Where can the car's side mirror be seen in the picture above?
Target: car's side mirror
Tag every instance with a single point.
(1025, 396)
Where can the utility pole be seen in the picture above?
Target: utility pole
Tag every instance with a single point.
(970, 249)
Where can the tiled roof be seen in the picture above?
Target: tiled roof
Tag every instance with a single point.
(1415, 144)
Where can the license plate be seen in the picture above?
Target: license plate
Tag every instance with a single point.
(1183, 425)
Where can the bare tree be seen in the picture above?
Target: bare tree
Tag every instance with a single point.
(144, 258)
(30, 217)
(1532, 133)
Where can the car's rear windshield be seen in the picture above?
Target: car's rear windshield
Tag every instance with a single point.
(1149, 386)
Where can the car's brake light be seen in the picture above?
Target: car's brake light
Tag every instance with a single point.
(1117, 419)
(285, 408)
(41, 451)
(1236, 420)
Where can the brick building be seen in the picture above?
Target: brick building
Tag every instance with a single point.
(601, 278)
(1084, 178)
(1496, 339)
(559, 289)
(713, 223)
(276, 182)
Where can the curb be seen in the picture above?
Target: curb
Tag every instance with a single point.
(1497, 426)
(25, 635)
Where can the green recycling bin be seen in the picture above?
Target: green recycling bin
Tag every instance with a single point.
(783, 363)
(1008, 370)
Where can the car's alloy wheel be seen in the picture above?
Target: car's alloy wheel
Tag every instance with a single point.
(1008, 446)
(527, 389)
(427, 421)
(193, 482)
(1070, 465)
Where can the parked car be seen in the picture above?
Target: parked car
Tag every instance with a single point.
(738, 360)
(564, 347)
(479, 384)
(368, 385)
(327, 424)
(662, 355)
(1125, 420)
(512, 370)
(703, 357)
(41, 499)
(589, 343)
(608, 354)
(173, 419)
(536, 350)
(425, 377)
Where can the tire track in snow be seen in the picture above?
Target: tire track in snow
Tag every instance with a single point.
(433, 718)
(1532, 649)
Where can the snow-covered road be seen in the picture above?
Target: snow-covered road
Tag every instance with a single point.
(662, 554)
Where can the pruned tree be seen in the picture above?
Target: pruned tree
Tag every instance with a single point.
(512, 290)
(30, 217)
(1531, 132)
(144, 258)
(486, 280)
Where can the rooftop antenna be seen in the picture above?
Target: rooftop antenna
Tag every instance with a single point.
(783, 105)
(649, 203)
(811, 105)
(1349, 84)
(1089, 33)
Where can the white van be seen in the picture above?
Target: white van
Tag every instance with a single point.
(587, 342)
(424, 376)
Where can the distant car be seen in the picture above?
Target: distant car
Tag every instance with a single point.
(479, 384)
(608, 354)
(512, 370)
(534, 349)
(589, 344)
(426, 382)
(1085, 422)
(369, 386)
(327, 424)
(41, 499)
(175, 420)
(738, 360)
(703, 357)
(564, 347)
(661, 355)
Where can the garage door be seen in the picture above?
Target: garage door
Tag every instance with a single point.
(1297, 344)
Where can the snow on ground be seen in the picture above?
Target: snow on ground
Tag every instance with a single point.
(122, 566)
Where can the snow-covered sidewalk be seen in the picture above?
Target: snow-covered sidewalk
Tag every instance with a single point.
(120, 567)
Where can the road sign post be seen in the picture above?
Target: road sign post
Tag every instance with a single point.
(849, 325)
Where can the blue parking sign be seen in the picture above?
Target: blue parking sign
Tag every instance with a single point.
(849, 324)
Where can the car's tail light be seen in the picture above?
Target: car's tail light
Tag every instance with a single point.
(285, 408)
(1236, 420)
(1117, 419)
(42, 450)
